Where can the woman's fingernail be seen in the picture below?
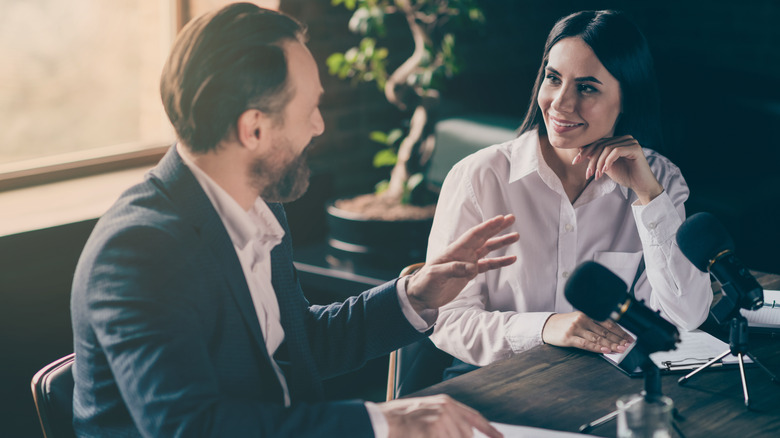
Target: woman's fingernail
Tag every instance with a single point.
(588, 173)
(576, 159)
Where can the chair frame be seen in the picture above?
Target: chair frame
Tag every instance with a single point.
(39, 385)
(392, 372)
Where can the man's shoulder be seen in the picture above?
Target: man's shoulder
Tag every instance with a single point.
(143, 218)
(144, 204)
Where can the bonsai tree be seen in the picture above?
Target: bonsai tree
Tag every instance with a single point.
(413, 86)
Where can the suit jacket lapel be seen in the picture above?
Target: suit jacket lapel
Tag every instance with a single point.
(185, 191)
(304, 381)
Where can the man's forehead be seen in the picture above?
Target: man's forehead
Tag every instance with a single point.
(301, 63)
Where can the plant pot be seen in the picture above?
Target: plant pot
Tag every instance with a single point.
(390, 244)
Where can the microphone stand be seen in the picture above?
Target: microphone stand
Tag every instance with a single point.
(738, 346)
(651, 394)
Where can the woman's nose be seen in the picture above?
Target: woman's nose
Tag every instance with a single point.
(564, 100)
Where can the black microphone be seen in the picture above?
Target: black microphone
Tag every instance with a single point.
(600, 294)
(707, 244)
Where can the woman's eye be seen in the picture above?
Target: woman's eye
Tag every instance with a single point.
(552, 79)
(587, 89)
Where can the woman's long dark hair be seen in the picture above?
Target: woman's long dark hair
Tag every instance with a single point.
(624, 52)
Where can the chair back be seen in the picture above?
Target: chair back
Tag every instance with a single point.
(417, 365)
(52, 389)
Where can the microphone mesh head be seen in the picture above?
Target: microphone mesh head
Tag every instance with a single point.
(595, 290)
(702, 237)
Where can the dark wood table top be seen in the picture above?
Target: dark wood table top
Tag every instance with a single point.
(562, 388)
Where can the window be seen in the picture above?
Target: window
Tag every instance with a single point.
(79, 83)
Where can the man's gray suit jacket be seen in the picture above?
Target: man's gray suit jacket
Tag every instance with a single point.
(168, 342)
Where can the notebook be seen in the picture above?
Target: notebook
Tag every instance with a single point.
(767, 318)
(695, 349)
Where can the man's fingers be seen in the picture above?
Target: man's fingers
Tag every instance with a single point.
(479, 234)
(495, 262)
(500, 241)
(476, 420)
(454, 269)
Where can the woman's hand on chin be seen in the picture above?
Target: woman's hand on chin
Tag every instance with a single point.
(622, 159)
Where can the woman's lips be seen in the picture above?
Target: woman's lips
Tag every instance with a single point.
(561, 125)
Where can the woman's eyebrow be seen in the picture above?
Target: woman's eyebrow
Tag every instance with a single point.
(581, 79)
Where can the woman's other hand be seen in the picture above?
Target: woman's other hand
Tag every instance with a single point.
(575, 329)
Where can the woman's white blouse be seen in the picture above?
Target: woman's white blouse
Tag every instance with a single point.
(503, 312)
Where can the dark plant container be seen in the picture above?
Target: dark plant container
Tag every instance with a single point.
(384, 243)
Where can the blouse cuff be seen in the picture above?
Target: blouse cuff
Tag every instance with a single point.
(524, 330)
(658, 221)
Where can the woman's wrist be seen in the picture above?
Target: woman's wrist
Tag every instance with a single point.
(647, 196)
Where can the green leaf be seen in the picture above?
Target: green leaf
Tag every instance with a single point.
(351, 55)
(378, 136)
(475, 14)
(385, 157)
(334, 62)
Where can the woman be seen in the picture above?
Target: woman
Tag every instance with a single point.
(584, 185)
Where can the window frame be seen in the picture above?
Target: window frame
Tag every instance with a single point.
(78, 164)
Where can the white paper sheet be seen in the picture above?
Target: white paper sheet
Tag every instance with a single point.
(512, 431)
(767, 316)
(694, 350)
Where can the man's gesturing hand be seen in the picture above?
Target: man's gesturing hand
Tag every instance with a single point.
(442, 279)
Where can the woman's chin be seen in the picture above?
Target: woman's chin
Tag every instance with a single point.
(562, 143)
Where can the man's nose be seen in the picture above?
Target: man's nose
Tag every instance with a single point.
(319, 123)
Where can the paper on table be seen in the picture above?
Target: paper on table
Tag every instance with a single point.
(695, 349)
(512, 431)
(767, 316)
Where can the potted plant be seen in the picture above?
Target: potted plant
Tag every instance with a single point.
(393, 222)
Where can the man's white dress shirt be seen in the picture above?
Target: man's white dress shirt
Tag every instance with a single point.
(254, 234)
(503, 312)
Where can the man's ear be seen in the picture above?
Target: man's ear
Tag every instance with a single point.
(251, 128)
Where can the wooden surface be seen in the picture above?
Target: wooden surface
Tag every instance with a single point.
(561, 389)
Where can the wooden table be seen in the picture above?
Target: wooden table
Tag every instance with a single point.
(562, 388)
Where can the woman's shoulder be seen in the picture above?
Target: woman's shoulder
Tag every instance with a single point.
(662, 167)
(658, 161)
(495, 157)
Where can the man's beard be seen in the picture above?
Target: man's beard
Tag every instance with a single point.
(288, 184)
